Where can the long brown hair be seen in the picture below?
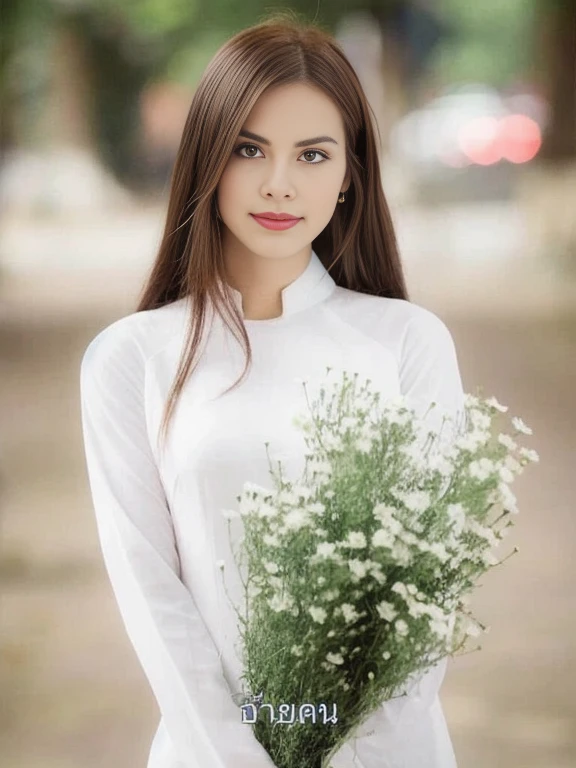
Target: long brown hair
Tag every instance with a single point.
(358, 246)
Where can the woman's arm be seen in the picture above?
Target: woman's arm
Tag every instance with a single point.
(429, 370)
(136, 535)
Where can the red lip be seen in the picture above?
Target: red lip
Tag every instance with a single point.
(276, 216)
(276, 225)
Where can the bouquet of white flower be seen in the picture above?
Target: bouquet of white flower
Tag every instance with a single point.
(357, 576)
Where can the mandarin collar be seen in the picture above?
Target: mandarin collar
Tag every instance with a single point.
(314, 285)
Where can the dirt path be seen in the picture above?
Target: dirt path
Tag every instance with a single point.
(75, 695)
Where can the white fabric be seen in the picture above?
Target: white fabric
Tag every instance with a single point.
(159, 514)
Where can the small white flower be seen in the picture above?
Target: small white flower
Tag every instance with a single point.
(302, 491)
(507, 441)
(440, 628)
(439, 550)
(481, 469)
(349, 612)
(325, 549)
(271, 567)
(493, 403)
(371, 675)
(318, 614)
(528, 453)
(417, 501)
(386, 611)
(266, 510)
(358, 567)
(364, 445)
(480, 420)
(281, 603)
(520, 426)
(513, 465)
(287, 496)
(334, 658)
(386, 655)
(296, 650)
(382, 538)
(505, 474)
(295, 519)
(356, 540)
(401, 627)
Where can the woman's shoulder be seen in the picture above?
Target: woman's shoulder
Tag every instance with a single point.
(136, 336)
(393, 315)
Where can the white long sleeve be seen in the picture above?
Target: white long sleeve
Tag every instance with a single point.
(137, 539)
(429, 371)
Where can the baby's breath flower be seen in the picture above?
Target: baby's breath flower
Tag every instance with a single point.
(382, 538)
(506, 474)
(481, 469)
(358, 567)
(386, 655)
(386, 611)
(271, 567)
(440, 628)
(519, 425)
(355, 540)
(417, 501)
(507, 441)
(280, 603)
(349, 613)
(401, 627)
(295, 519)
(493, 403)
(318, 614)
(528, 453)
(325, 549)
(334, 658)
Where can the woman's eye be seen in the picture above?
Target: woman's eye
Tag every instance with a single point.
(307, 152)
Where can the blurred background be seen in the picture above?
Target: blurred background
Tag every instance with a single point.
(476, 106)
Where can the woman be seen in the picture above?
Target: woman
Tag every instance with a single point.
(278, 126)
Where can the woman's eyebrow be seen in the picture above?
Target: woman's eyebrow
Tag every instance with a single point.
(303, 143)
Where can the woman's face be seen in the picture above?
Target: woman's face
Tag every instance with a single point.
(277, 176)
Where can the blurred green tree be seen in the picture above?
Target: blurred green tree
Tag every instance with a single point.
(74, 70)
